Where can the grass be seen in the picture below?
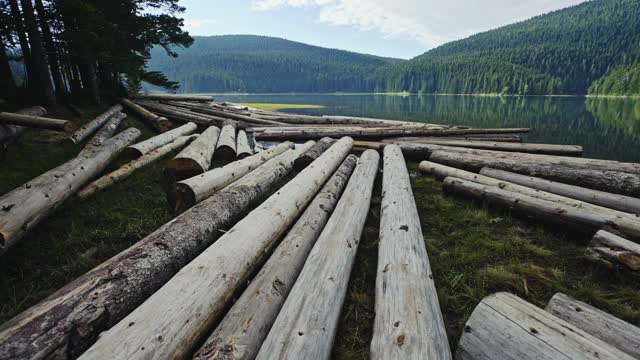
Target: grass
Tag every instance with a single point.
(276, 107)
(474, 250)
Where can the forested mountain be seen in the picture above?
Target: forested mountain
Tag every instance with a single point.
(623, 80)
(247, 63)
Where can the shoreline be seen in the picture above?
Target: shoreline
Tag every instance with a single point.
(406, 94)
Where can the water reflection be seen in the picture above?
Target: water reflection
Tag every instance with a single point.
(607, 128)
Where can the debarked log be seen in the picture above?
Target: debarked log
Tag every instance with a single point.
(226, 148)
(141, 148)
(9, 133)
(37, 122)
(196, 158)
(92, 126)
(107, 130)
(183, 115)
(242, 145)
(312, 154)
(174, 97)
(614, 252)
(159, 123)
(548, 149)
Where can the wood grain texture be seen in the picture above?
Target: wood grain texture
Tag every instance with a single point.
(242, 145)
(614, 252)
(505, 327)
(159, 123)
(37, 122)
(598, 323)
(196, 158)
(92, 126)
(107, 130)
(306, 325)
(226, 148)
(241, 332)
(143, 147)
(408, 321)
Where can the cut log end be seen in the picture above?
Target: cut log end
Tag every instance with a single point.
(131, 153)
(181, 198)
(243, 155)
(183, 168)
(225, 153)
(69, 127)
(164, 124)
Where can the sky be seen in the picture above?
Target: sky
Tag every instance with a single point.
(393, 28)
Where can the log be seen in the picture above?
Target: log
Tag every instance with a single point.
(604, 180)
(612, 201)
(66, 323)
(92, 126)
(580, 219)
(504, 326)
(141, 148)
(245, 326)
(306, 325)
(488, 137)
(37, 122)
(9, 133)
(159, 123)
(223, 114)
(184, 115)
(442, 171)
(226, 147)
(242, 145)
(312, 154)
(408, 322)
(614, 252)
(187, 193)
(107, 130)
(173, 97)
(126, 170)
(598, 323)
(195, 302)
(549, 149)
(196, 158)
(24, 208)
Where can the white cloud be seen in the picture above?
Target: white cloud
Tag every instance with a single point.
(431, 22)
(195, 24)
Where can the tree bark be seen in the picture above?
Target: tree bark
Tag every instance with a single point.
(408, 322)
(9, 133)
(226, 147)
(24, 43)
(23, 208)
(107, 130)
(92, 126)
(312, 154)
(37, 122)
(242, 145)
(196, 302)
(141, 148)
(598, 323)
(191, 191)
(195, 159)
(159, 123)
(245, 326)
(504, 326)
(306, 325)
(614, 252)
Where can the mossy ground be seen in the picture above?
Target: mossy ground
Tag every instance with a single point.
(474, 250)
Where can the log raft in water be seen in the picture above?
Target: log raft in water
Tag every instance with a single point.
(106, 294)
(242, 145)
(598, 323)
(189, 192)
(174, 97)
(37, 122)
(24, 207)
(196, 302)
(245, 326)
(141, 148)
(107, 130)
(408, 322)
(183, 115)
(614, 252)
(226, 148)
(208, 110)
(548, 149)
(9, 133)
(312, 154)
(196, 158)
(504, 327)
(306, 325)
(92, 126)
(159, 123)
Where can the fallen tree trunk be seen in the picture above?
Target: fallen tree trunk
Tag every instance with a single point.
(408, 321)
(245, 326)
(306, 325)
(159, 123)
(196, 158)
(24, 207)
(92, 126)
(226, 148)
(480, 137)
(107, 130)
(579, 219)
(126, 170)
(504, 326)
(598, 323)
(614, 252)
(312, 154)
(189, 192)
(9, 133)
(174, 97)
(549, 149)
(609, 181)
(37, 122)
(65, 324)
(184, 115)
(364, 120)
(155, 142)
(242, 145)
(223, 114)
(612, 201)
(196, 302)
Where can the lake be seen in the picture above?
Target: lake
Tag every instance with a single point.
(607, 128)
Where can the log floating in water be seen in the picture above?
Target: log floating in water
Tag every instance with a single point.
(223, 114)
(598, 323)
(245, 326)
(614, 252)
(155, 142)
(126, 170)
(486, 137)
(92, 126)
(612, 201)
(189, 192)
(174, 97)
(196, 302)
(504, 326)
(9, 133)
(226, 148)
(408, 321)
(549, 149)
(37, 122)
(183, 115)
(306, 325)
(106, 294)
(312, 154)
(107, 130)
(24, 207)
(242, 145)
(196, 158)
(159, 123)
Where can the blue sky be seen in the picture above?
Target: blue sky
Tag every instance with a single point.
(396, 28)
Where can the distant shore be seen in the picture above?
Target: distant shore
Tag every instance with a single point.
(405, 94)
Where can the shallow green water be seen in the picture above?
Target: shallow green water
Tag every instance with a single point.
(607, 128)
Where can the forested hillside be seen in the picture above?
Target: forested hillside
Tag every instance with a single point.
(623, 80)
(247, 63)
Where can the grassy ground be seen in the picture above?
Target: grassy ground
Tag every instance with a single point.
(474, 250)
(276, 107)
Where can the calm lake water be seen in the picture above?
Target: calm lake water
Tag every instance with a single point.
(607, 128)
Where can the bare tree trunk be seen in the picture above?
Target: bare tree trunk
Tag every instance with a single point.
(24, 43)
(9, 89)
(52, 51)
(9, 133)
